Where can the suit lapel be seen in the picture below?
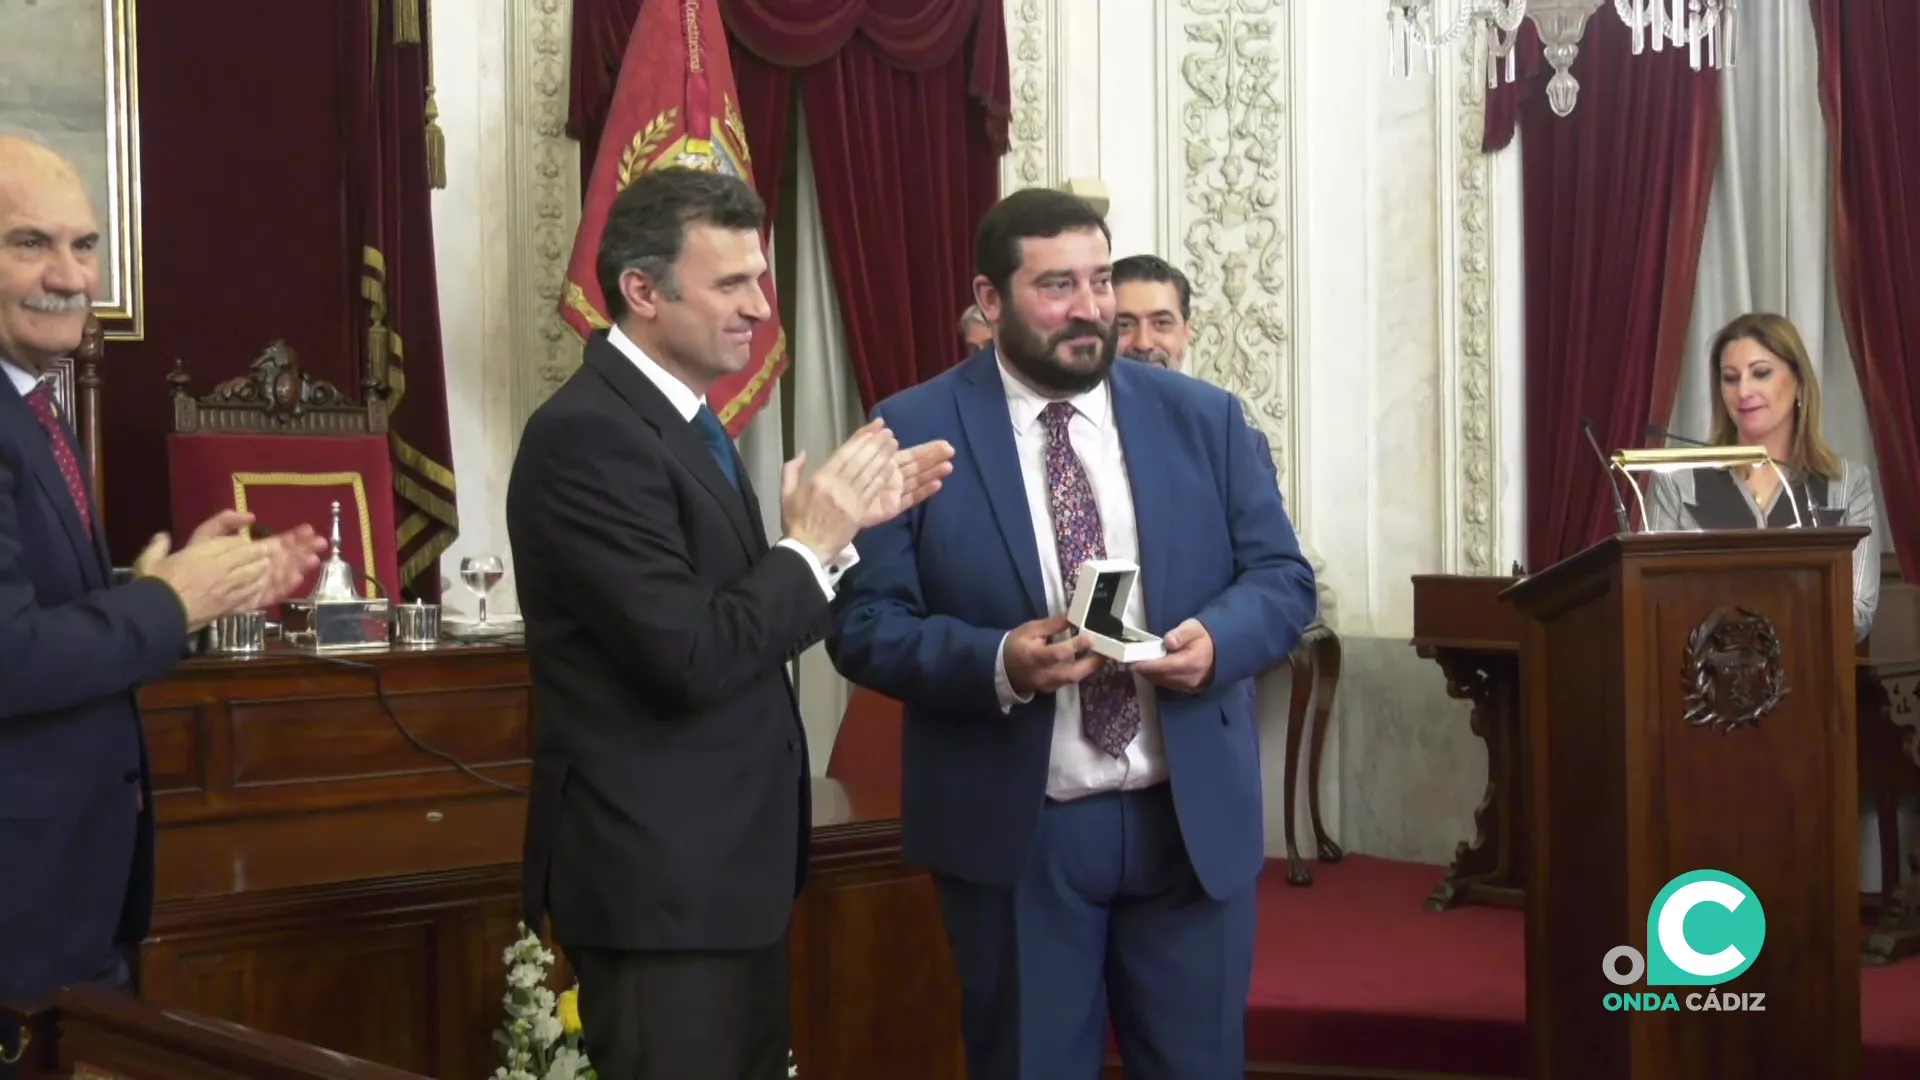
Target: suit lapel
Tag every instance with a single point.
(982, 400)
(678, 435)
(1144, 441)
(46, 474)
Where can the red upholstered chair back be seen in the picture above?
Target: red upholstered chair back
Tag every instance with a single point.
(866, 750)
(285, 447)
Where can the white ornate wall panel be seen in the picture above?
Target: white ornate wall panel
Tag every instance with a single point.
(545, 206)
(1184, 108)
(1034, 135)
(1468, 316)
(1230, 211)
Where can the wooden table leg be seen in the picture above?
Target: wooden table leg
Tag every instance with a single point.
(1326, 682)
(1316, 676)
(1491, 868)
(1301, 660)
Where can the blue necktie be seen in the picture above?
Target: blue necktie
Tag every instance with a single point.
(718, 441)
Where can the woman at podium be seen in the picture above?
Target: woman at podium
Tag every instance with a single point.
(1769, 396)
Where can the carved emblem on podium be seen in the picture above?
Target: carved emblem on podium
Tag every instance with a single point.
(1733, 673)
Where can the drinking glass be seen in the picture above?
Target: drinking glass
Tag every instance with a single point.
(480, 573)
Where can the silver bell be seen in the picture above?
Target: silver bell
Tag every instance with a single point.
(337, 578)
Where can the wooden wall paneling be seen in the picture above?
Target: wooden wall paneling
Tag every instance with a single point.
(322, 879)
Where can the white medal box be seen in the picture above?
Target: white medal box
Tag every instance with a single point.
(1101, 591)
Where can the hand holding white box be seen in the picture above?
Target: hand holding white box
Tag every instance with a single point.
(1102, 589)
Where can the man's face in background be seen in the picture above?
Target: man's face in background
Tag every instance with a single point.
(1147, 315)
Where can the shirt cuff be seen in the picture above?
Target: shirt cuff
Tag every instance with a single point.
(1002, 685)
(829, 575)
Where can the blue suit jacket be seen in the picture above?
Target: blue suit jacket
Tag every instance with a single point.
(921, 617)
(77, 854)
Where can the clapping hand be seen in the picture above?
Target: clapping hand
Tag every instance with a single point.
(824, 510)
(291, 555)
(916, 474)
(222, 570)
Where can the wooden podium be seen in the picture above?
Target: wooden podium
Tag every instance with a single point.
(1688, 704)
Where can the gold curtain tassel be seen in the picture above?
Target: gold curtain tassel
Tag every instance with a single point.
(377, 350)
(436, 145)
(406, 22)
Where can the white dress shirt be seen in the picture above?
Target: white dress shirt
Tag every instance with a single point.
(1077, 767)
(18, 376)
(688, 403)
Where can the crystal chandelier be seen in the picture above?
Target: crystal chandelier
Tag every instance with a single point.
(1487, 30)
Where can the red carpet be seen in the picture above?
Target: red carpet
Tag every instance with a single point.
(1354, 972)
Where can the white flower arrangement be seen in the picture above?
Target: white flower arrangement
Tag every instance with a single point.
(541, 1039)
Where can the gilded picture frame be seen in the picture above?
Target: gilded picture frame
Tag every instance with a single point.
(69, 77)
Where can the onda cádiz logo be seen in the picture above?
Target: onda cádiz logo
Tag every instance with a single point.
(1704, 928)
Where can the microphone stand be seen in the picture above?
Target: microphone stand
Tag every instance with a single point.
(1613, 487)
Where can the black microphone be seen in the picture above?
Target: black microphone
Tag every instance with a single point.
(1619, 504)
(1655, 431)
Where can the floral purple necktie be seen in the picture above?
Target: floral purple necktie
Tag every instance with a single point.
(1109, 704)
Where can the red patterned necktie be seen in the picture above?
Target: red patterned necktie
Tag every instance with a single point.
(40, 400)
(1109, 704)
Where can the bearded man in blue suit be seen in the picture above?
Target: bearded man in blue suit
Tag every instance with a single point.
(1094, 830)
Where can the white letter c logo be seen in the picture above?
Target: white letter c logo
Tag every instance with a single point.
(1673, 934)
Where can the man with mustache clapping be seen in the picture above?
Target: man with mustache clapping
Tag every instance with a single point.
(76, 821)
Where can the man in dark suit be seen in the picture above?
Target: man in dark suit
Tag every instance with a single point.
(1095, 832)
(667, 831)
(76, 826)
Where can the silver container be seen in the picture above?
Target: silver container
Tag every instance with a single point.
(241, 634)
(416, 624)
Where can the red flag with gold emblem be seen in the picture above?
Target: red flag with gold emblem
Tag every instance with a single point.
(674, 104)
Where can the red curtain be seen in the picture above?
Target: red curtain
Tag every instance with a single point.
(766, 108)
(286, 107)
(906, 170)
(1614, 201)
(1871, 102)
(907, 103)
(601, 29)
(389, 210)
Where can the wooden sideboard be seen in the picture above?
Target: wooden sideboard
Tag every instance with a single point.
(1460, 623)
(326, 874)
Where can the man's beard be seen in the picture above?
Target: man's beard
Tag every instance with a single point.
(1156, 357)
(1034, 357)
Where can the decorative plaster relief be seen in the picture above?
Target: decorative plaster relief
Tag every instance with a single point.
(1031, 67)
(544, 200)
(1233, 215)
(1466, 273)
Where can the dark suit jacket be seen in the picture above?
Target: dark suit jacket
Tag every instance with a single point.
(922, 616)
(77, 853)
(670, 791)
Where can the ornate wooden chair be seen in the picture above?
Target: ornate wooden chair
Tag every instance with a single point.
(285, 446)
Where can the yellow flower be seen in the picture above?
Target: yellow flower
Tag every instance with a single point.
(570, 1011)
